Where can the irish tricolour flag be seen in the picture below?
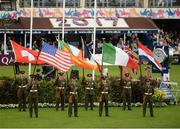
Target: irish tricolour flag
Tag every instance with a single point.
(146, 53)
(116, 56)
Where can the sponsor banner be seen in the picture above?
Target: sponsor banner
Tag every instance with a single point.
(83, 31)
(8, 15)
(6, 60)
(154, 13)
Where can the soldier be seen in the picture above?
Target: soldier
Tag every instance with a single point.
(103, 96)
(89, 91)
(33, 95)
(60, 85)
(72, 98)
(148, 70)
(21, 92)
(126, 93)
(147, 98)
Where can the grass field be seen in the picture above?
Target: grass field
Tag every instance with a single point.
(167, 117)
(164, 117)
(113, 71)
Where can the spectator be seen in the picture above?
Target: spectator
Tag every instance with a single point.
(120, 43)
(2, 47)
(160, 2)
(122, 3)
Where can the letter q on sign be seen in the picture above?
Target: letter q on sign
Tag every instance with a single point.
(5, 60)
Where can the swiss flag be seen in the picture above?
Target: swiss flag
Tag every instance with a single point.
(25, 55)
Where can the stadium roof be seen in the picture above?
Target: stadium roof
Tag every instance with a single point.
(78, 25)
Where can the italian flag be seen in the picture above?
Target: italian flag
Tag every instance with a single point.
(116, 56)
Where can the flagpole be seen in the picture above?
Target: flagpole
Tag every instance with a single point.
(31, 26)
(140, 69)
(94, 37)
(82, 41)
(14, 72)
(38, 57)
(102, 67)
(14, 62)
(121, 72)
(63, 18)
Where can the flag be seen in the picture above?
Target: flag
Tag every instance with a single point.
(53, 56)
(69, 48)
(61, 45)
(146, 53)
(116, 56)
(76, 56)
(88, 54)
(25, 55)
(130, 52)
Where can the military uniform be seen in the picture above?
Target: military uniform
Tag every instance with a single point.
(73, 97)
(89, 92)
(147, 98)
(60, 86)
(33, 96)
(21, 91)
(148, 70)
(103, 96)
(127, 92)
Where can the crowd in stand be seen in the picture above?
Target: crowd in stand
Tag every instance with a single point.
(171, 39)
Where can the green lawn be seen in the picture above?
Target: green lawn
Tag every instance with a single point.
(164, 117)
(113, 71)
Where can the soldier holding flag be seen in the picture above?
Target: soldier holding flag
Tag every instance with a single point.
(60, 86)
(103, 96)
(32, 90)
(126, 93)
(73, 96)
(147, 98)
(89, 91)
(21, 92)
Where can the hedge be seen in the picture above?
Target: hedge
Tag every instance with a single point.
(46, 91)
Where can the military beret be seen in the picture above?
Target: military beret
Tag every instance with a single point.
(147, 80)
(33, 76)
(127, 74)
(89, 75)
(22, 72)
(103, 78)
(61, 73)
(38, 70)
(148, 67)
(74, 77)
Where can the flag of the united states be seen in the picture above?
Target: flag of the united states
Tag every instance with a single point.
(52, 56)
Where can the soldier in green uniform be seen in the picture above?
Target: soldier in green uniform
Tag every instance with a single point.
(148, 70)
(126, 93)
(147, 98)
(103, 96)
(89, 91)
(21, 91)
(60, 86)
(32, 90)
(73, 96)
